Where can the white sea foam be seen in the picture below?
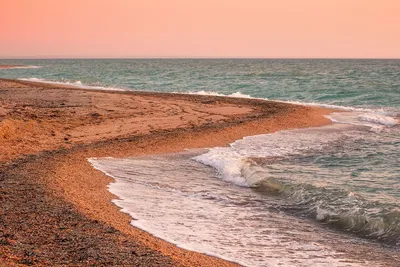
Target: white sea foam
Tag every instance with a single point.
(232, 162)
(75, 84)
(322, 105)
(374, 119)
(378, 119)
(210, 93)
(356, 115)
(228, 163)
(240, 229)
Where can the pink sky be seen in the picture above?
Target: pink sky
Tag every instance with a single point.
(200, 28)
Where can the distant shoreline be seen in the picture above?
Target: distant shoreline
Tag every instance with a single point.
(11, 66)
(198, 58)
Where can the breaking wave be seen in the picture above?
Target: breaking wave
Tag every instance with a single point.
(210, 93)
(338, 208)
(301, 168)
(341, 209)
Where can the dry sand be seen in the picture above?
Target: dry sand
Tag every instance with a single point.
(75, 124)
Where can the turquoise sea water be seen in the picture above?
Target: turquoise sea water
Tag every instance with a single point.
(341, 82)
(279, 199)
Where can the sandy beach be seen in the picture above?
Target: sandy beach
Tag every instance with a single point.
(57, 210)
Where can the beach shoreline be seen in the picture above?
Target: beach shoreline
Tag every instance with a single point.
(64, 127)
(11, 66)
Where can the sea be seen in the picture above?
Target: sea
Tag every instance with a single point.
(322, 196)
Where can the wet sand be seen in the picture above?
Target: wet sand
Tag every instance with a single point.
(57, 207)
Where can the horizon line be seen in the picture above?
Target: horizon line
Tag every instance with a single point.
(67, 58)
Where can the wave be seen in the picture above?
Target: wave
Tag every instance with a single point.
(74, 84)
(378, 119)
(338, 208)
(229, 167)
(374, 119)
(231, 161)
(257, 162)
(210, 93)
(358, 116)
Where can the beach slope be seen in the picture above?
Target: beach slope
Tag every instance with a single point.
(56, 209)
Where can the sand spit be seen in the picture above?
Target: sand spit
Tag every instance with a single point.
(55, 206)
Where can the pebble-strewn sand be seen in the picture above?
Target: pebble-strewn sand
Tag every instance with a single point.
(84, 186)
(75, 124)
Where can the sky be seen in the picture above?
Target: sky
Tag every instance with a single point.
(200, 28)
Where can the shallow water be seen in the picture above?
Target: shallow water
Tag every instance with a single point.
(177, 199)
(278, 199)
